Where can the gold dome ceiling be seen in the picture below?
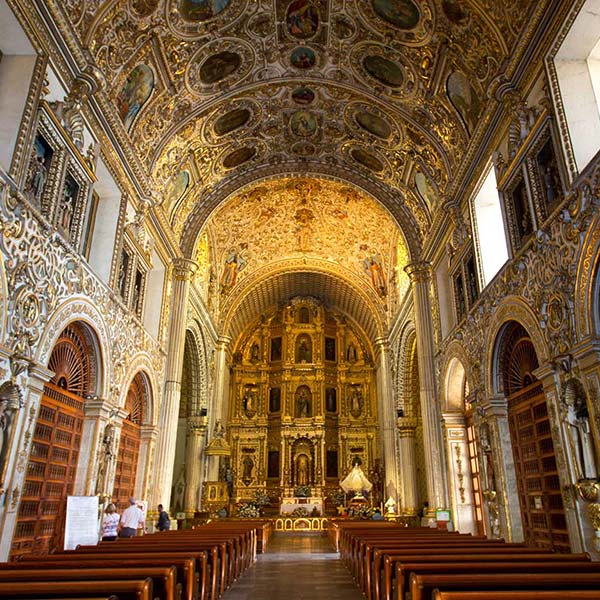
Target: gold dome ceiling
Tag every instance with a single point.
(211, 95)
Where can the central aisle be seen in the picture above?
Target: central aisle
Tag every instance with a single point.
(296, 567)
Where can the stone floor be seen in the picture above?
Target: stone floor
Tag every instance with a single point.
(296, 567)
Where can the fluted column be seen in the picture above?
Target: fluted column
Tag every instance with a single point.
(409, 492)
(220, 400)
(387, 418)
(420, 277)
(183, 270)
(196, 428)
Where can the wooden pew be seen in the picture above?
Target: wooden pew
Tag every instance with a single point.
(405, 569)
(529, 555)
(124, 590)
(164, 579)
(518, 595)
(422, 586)
(213, 553)
(187, 576)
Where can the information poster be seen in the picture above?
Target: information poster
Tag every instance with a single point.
(81, 523)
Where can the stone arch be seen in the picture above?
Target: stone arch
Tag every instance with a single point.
(587, 284)
(455, 371)
(511, 309)
(83, 311)
(406, 356)
(142, 364)
(195, 359)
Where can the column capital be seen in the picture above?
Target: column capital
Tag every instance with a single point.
(197, 424)
(418, 271)
(184, 268)
(407, 426)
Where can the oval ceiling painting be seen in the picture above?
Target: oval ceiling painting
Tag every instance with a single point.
(135, 92)
(303, 58)
(384, 70)
(303, 95)
(238, 157)
(219, 66)
(402, 14)
(374, 124)
(177, 187)
(367, 160)
(202, 10)
(302, 19)
(425, 189)
(231, 120)
(303, 124)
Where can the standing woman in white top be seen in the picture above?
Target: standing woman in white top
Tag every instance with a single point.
(110, 524)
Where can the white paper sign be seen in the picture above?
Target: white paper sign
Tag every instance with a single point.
(81, 524)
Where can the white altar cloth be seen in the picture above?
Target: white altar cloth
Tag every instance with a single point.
(289, 505)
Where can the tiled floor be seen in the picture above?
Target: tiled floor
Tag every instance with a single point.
(296, 567)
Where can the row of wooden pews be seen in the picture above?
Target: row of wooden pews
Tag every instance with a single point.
(389, 561)
(198, 564)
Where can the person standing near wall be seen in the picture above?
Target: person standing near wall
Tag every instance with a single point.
(131, 519)
(164, 522)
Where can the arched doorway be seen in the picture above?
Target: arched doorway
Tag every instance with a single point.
(136, 404)
(540, 498)
(56, 441)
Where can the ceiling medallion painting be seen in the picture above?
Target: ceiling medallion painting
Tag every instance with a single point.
(407, 21)
(302, 19)
(135, 93)
(303, 57)
(232, 120)
(383, 66)
(370, 123)
(303, 96)
(219, 66)
(303, 124)
(202, 10)
(464, 99)
(402, 14)
(426, 189)
(367, 159)
(222, 62)
(239, 157)
(176, 189)
(373, 124)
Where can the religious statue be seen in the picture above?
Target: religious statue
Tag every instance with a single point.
(234, 263)
(374, 268)
(249, 403)
(356, 481)
(38, 177)
(302, 470)
(247, 467)
(303, 352)
(351, 355)
(577, 419)
(356, 402)
(302, 403)
(254, 353)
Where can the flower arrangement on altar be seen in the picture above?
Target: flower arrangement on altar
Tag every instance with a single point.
(302, 491)
(248, 510)
(299, 512)
(361, 512)
(251, 510)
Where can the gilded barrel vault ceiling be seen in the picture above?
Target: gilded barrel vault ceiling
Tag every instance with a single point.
(291, 220)
(211, 92)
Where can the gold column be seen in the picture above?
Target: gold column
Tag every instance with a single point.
(437, 488)
(183, 271)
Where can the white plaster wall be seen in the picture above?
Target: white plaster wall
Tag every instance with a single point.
(15, 78)
(154, 291)
(105, 227)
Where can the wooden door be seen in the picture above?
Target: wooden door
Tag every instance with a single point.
(540, 498)
(129, 444)
(55, 447)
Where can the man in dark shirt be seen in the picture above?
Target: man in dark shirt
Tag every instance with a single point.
(164, 523)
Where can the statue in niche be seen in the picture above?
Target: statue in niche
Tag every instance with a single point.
(351, 355)
(254, 353)
(331, 400)
(247, 468)
(38, 177)
(249, 403)
(302, 468)
(577, 420)
(356, 401)
(302, 403)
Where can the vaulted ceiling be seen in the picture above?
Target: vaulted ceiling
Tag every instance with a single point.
(387, 96)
